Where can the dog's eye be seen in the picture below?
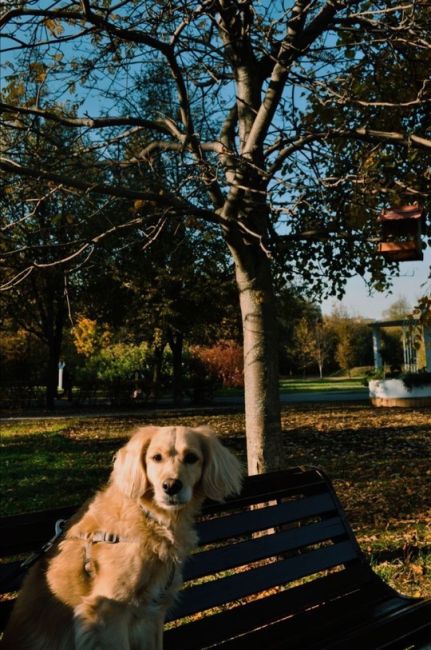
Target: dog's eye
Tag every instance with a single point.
(157, 458)
(190, 458)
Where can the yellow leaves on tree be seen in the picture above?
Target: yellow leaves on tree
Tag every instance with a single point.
(13, 344)
(39, 71)
(54, 26)
(89, 336)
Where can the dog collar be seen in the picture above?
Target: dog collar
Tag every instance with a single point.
(149, 515)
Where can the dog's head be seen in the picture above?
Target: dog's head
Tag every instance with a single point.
(175, 464)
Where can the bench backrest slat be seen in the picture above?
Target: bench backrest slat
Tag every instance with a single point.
(264, 517)
(234, 587)
(240, 553)
(21, 533)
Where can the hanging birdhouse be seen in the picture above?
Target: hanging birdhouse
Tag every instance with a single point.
(401, 230)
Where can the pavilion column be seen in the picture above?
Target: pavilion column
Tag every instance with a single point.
(377, 347)
(427, 345)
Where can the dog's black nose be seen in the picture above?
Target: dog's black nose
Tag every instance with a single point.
(172, 486)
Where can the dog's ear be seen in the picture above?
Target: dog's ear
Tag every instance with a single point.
(129, 473)
(222, 472)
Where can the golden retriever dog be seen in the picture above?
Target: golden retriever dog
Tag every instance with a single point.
(107, 583)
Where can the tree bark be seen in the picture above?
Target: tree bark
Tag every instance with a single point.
(156, 375)
(52, 373)
(262, 401)
(175, 341)
(52, 309)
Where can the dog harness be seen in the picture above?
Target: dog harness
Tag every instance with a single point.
(90, 539)
(108, 538)
(112, 538)
(96, 538)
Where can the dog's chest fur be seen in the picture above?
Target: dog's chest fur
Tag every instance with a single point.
(143, 570)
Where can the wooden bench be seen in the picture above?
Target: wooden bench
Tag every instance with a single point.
(277, 567)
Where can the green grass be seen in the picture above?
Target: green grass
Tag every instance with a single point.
(308, 384)
(48, 463)
(378, 459)
(318, 385)
(45, 469)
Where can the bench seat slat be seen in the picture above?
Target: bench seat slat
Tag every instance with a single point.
(319, 628)
(233, 555)
(234, 621)
(215, 530)
(407, 625)
(214, 593)
(352, 623)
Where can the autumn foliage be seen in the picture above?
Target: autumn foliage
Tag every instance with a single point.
(224, 360)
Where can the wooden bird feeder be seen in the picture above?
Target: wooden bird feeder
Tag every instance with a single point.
(401, 233)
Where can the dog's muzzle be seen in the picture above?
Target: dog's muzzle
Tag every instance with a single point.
(172, 486)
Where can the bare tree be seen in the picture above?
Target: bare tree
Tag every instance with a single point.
(288, 117)
(312, 343)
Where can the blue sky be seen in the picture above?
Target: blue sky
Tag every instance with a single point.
(357, 299)
(358, 302)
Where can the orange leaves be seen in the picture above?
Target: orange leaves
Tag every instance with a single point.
(224, 360)
(39, 71)
(54, 26)
(89, 336)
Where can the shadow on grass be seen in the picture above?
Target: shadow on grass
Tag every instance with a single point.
(379, 459)
(50, 470)
(381, 475)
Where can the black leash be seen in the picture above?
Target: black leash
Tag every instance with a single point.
(12, 577)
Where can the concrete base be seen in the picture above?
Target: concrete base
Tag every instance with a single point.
(393, 392)
(403, 402)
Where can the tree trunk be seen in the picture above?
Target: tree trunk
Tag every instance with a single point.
(262, 401)
(157, 372)
(52, 373)
(175, 341)
(53, 314)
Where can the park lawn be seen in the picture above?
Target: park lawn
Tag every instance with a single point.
(315, 384)
(307, 385)
(379, 460)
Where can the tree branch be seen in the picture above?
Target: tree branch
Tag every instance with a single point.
(162, 126)
(295, 42)
(129, 35)
(163, 200)
(361, 133)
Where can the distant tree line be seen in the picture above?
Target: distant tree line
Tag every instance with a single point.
(136, 342)
(335, 343)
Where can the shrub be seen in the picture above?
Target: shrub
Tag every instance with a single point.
(224, 361)
(361, 371)
(200, 381)
(89, 336)
(117, 368)
(409, 379)
(22, 359)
